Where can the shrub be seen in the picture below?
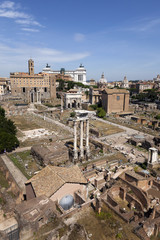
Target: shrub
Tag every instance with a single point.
(158, 117)
(94, 106)
(72, 114)
(101, 112)
(119, 236)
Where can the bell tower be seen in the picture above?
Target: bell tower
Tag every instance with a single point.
(31, 67)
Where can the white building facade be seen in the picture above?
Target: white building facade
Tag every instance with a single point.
(78, 75)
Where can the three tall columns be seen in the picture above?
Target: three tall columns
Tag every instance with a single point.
(81, 139)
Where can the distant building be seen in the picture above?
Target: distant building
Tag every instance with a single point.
(4, 85)
(144, 86)
(102, 82)
(125, 83)
(92, 82)
(95, 95)
(78, 75)
(33, 87)
(115, 100)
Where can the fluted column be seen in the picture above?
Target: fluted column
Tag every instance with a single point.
(81, 140)
(75, 141)
(87, 138)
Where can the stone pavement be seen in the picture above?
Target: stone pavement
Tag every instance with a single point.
(18, 176)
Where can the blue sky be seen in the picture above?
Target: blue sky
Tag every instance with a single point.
(118, 37)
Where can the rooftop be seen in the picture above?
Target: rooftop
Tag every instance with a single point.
(115, 90)
(51, 178)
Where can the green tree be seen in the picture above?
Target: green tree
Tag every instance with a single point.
(101, 112)
(2, 112)
(8, 139)
(72, 114)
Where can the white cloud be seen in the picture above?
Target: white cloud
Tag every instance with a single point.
(7, 4)
(13, 14)
(8, 9)
(143, 26)
(30, 29)
(15, 58)
(79, 37)
(28, 22)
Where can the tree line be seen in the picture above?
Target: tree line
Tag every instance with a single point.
(8, 139)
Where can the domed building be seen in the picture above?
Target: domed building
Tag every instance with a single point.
(125, 83)
(102, 82)
(66, 185)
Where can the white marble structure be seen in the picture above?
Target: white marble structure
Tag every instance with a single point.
(72, 99)
(152, 156)
(125, 83)
(83, 120)
(78, 75)
(102, 80)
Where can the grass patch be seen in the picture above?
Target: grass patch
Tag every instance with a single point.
(104, 215)
(19, 164)
(2, 201)
(3, 181)
(105, 129)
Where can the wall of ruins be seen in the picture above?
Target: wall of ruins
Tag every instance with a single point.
(78, 199)
(124, 216)
(95, 132)
(139, 194)
(30, 194)
(157, 184)
(14, 187)
(130, 199)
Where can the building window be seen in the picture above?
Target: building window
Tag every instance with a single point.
(24, 90)
(45, 89)
(80, 78)
(118, 98)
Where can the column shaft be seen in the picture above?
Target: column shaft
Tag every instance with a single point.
(87, 137)
(81, 139)
(75, 141)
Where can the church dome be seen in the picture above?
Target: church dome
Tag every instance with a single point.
(103, 79)
(66, 202)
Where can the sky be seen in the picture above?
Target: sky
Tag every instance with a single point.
(118, 37)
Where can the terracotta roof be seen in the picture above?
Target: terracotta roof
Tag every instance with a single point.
(51, 178)
(115, 90)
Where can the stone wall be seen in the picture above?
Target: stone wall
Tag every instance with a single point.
(14, 187)
(139, 194)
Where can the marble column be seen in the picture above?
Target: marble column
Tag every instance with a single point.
(87, 138)
(37, 97)
(61, 104)
(40, 97)
(75, 141)
(81, 140)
